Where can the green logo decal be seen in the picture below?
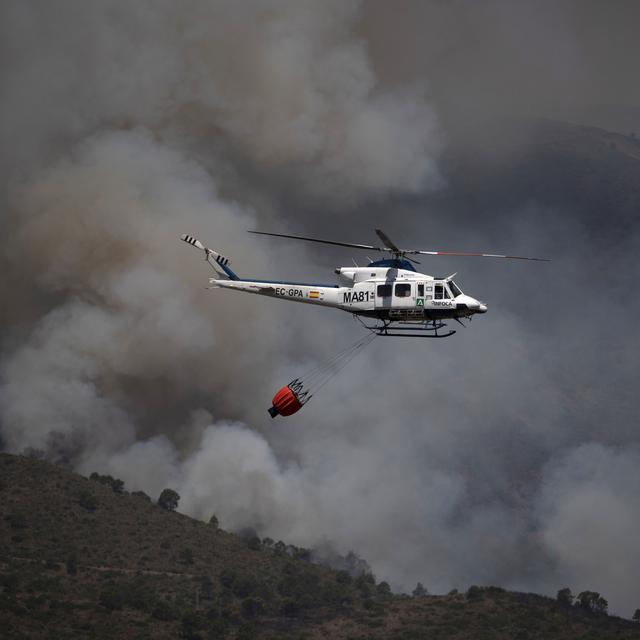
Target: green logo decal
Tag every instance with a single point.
(419, 302)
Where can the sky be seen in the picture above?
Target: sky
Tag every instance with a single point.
(507, 454)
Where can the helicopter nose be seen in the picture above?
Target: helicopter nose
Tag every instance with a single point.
(473, 305)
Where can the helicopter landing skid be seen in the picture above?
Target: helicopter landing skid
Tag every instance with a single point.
(429, 330)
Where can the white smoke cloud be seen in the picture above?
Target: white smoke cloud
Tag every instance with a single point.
(235, 469)
(286, 86)
(589, 518)
(99, 231)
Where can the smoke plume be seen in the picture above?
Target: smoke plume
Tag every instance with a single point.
(506, 454)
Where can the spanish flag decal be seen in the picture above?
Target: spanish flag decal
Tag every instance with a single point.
(314, 294)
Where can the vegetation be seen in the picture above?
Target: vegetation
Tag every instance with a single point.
(132, 569)
(87, 500)
(116, 485)
(592, 601)
(169, 499)
(565, 597)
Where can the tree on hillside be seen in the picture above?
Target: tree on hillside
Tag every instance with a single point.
(343, 577)
(87, 500)
(72, 564)
(474, 592)
(191, 624)
(354, 564)
(168, 499)
(636, 616)
(213, 521)
(116, 484)
(565, 597)
(206, 588)
(419, 591)
(186, 555)
(113, 596)
(592, 601)
(365, 583)
(252, 607)
(254, 543)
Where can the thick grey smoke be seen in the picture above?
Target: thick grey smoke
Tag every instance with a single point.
(504, 455)
(568, 59)
(593, 479)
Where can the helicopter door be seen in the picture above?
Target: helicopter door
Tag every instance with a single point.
(384, 294)
(403, 295)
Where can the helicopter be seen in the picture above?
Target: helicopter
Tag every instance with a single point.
(389, 292)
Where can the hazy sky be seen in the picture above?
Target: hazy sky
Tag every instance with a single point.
(507, 454)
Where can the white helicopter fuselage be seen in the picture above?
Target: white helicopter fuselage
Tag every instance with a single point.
(382, 292)
(390, 290)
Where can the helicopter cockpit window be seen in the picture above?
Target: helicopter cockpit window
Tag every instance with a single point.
(454, 289)
(384, 290)
(439, 292)
(403, 290)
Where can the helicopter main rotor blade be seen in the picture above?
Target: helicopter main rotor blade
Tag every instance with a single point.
(307, 239)
(387, 241)
(476, 255)
(393, 248)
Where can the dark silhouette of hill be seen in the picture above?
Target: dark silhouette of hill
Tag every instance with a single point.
(84, 559)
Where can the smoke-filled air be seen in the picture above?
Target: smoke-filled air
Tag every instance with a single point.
(507, 454)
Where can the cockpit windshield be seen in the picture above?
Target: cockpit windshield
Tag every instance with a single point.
(454, 289)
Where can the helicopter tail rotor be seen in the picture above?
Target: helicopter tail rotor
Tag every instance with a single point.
(219, 263)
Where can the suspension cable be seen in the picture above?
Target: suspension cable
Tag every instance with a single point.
(314, 379)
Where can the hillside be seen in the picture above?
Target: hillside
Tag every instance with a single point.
(80, 560)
